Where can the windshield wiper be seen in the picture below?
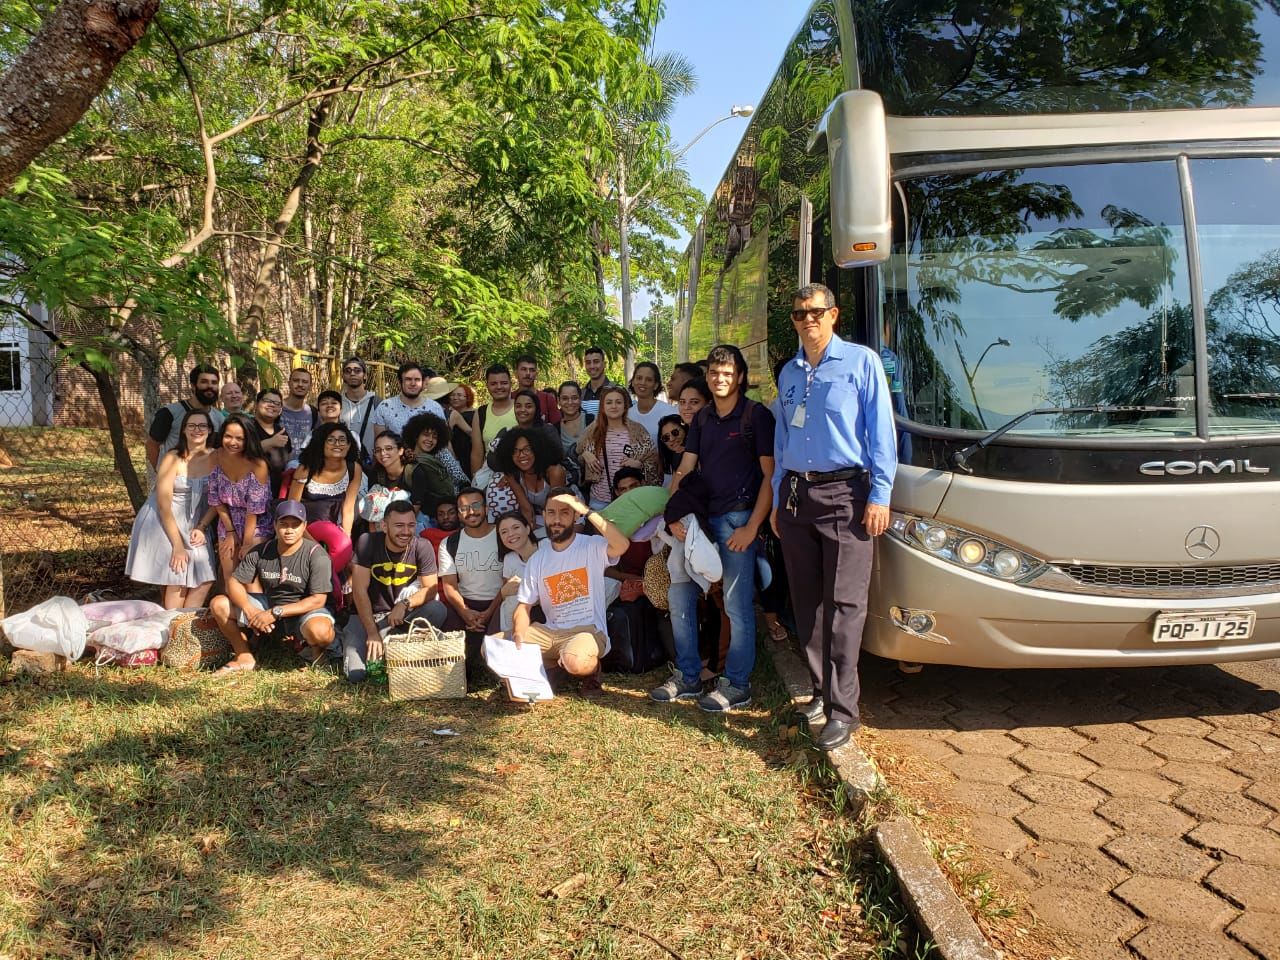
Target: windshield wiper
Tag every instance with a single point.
(1251, 396)
(960, 459)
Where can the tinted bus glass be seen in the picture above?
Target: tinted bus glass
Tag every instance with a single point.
(1238, 223)
(1054, 286)
(933, 58)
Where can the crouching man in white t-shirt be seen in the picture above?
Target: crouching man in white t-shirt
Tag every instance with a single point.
(566, 578)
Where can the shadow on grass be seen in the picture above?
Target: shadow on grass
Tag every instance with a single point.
(190, 792)
(169, 818)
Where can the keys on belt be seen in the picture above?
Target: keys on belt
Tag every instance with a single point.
(819, 476)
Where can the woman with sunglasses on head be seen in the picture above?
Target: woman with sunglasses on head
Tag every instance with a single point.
(238, 492)
(271, 436)
(672, 432)
(167, 547)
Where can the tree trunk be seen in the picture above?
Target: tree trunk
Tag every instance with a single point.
(149, 368)
(255, 315)
(597, 262)
(119, 443)
(65, 66)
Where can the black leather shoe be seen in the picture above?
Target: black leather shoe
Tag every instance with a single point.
(836, 733)
(810, 712)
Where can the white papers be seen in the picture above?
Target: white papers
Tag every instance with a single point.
(522, 668)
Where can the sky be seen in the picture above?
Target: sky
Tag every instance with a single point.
(735, 47)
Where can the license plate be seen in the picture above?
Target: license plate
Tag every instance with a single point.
(1203, 627)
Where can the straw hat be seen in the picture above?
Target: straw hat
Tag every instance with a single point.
(438, 387)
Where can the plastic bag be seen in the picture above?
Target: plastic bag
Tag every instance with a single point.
(105, 612)
(56, 626)
(133, 636)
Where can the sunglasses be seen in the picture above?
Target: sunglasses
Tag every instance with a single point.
(471, 508)
(808, 313)
(671, 437)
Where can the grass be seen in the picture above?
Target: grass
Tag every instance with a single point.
(64, 515)
(282, 814)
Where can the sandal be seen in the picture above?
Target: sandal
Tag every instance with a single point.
(777, 632)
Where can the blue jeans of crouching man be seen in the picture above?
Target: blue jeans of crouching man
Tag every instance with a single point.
(739, 594)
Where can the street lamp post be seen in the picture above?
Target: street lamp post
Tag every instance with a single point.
(972, 375)
(626, 206)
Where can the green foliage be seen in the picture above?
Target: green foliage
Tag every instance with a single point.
(451, 203)
(90, 269)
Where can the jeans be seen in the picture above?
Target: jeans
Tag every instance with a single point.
(353, 641)
(739, 592)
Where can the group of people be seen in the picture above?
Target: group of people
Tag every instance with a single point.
(335, 522)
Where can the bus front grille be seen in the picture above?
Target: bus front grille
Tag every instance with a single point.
(1166, 581)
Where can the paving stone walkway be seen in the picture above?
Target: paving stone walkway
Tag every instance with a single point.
(1137, 812)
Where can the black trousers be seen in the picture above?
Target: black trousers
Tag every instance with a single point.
(828, 553)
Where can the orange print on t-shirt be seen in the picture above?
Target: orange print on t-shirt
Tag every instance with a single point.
(567, 586)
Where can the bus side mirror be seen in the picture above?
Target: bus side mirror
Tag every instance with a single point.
(857, 142)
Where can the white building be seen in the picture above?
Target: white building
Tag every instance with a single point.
(27, 377)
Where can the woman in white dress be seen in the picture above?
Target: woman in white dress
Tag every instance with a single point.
(168, 546)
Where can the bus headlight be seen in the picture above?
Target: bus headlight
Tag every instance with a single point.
(1006, 564)
(973, 551)
(934, 538)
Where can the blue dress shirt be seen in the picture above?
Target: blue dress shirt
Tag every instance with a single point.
(848, 419)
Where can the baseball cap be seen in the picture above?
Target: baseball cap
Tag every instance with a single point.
(291, 508)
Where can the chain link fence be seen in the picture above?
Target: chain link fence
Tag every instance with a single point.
(65, 515)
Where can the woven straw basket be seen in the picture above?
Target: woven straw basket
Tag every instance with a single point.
(426, 663)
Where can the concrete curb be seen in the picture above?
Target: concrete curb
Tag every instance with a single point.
(941, 916)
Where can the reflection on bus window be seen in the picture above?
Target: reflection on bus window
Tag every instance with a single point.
(1237, 210)
(1055, 286)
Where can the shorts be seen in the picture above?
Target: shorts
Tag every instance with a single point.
(289, 626)
(552, 642)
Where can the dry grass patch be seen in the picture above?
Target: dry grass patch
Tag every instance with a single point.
(65, 518)
(282, 814)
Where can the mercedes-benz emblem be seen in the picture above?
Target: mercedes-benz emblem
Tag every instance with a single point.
(1203, 542)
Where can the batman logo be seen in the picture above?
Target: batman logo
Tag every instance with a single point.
(394, 574)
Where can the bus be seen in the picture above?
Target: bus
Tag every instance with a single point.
(1058, 223)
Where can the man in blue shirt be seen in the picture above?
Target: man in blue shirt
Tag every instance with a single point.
(834, 463)
(730, 443)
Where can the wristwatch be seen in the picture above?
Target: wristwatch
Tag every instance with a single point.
(277, 612)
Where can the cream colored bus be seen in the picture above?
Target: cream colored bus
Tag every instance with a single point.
(1063, 236)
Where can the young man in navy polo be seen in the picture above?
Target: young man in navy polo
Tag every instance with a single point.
(736, 435)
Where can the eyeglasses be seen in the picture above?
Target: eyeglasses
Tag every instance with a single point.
(198, 427)
(353, 369)
(269, 402)
(671, 437)
(336, 442)
(808, 313)
(471, 508)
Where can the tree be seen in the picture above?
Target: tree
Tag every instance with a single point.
(68, 63)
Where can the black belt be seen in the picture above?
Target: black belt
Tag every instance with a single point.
(831, 476)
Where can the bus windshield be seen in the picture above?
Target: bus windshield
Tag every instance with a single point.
(1069, 286)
